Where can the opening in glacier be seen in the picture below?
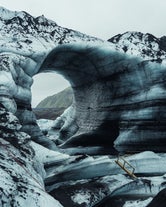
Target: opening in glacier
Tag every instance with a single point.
(47, 84)
(85, 123)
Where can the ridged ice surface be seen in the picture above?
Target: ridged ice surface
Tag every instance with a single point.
(119, 102)
(118, 95)
(119, 99)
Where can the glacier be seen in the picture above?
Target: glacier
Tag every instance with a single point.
(32, 45)
(118, 107)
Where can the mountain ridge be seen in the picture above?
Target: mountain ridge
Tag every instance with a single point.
(53, 106)
(140, 44)
(61, 99)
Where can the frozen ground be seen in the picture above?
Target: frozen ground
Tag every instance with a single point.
(79, 174)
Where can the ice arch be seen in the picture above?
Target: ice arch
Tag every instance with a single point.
(85, 66)
(117, 97)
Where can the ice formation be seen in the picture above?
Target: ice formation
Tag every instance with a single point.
(119, 102)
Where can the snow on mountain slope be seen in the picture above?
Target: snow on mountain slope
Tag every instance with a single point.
(22, 32)
(139, 44)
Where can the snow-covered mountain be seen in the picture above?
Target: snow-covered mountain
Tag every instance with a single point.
(22, 32)
(139, 44)
(34, 34)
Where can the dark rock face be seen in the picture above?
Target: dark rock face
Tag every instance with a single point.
(159, 200)
(163, 43)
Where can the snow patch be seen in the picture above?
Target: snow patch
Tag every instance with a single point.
(45, 124)
(137, 203)
(81, 197)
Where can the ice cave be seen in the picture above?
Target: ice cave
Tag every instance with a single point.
(118, 108)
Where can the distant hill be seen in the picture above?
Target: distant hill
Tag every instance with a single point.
(62, 99)
(53, 106)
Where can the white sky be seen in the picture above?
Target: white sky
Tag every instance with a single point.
(100, 18)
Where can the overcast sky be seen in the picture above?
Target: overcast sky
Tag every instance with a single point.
(100, 18)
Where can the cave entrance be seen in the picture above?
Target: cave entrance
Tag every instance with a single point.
(48, 95)
(86, 123)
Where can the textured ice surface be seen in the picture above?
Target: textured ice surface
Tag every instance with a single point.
(110, 80)
(117, 96)
(137, 203)
(22, 173)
